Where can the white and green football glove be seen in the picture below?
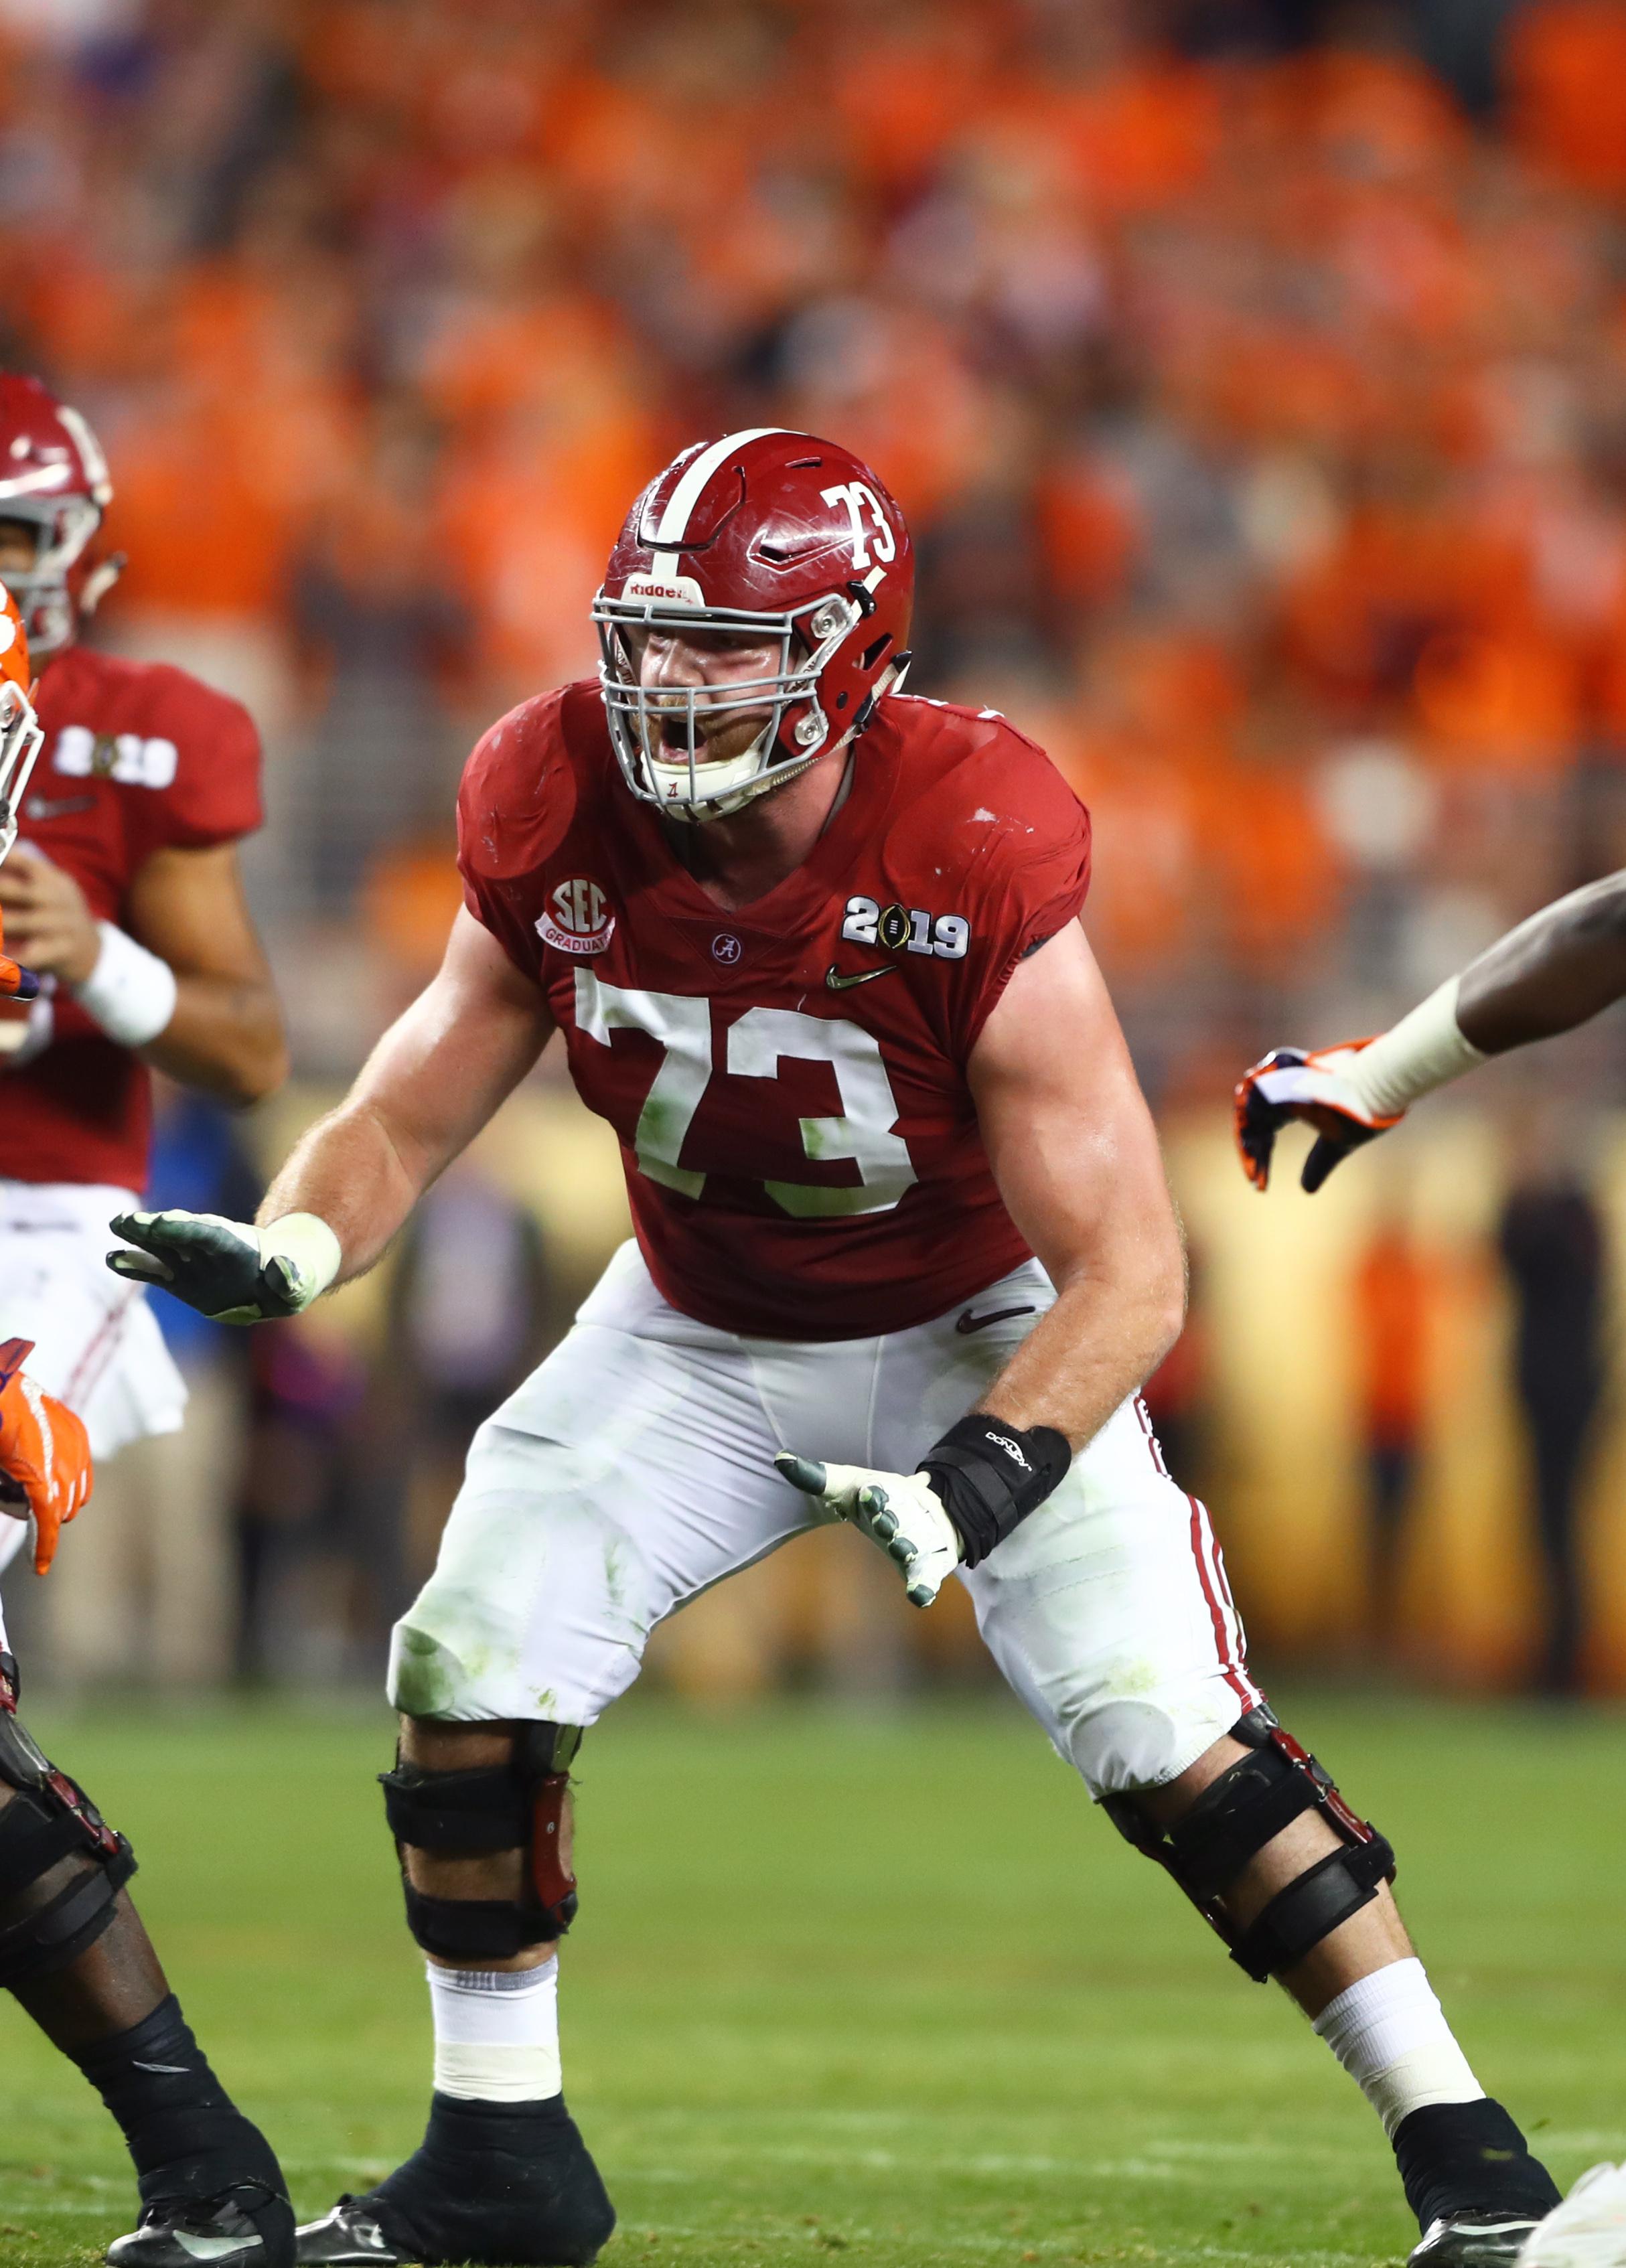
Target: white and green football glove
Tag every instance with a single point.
(228, 1270)
(900, 1512)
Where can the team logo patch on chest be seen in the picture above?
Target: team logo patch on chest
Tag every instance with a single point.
(577, 920)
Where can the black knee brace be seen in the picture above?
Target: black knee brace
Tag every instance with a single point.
(516, 1805)
(1233, 1820)
(49, 1819)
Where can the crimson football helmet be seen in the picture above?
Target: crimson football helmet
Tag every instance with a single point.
(19, 729)
(54, 477)
(768, 534)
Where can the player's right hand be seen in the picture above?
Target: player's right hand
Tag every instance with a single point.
(45, 1458)
(228, 1270)
(1313, 1086)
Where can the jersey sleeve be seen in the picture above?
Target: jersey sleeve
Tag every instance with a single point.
(516, 800)
(1029, 880)
(201, 764)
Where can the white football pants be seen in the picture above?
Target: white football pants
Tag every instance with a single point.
(97, 1343)
(634, 1469)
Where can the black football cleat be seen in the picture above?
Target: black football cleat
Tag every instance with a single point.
(509, 2184)
(1472, 2240)
(245, 2227)
(1471, 2181)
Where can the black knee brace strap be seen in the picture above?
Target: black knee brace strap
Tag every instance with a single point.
(1298, 1917)
(516, 1805)
(49, 1818)
(458, 1813)
(1233, 1819)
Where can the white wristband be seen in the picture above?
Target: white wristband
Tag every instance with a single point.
(1423, 1051)
(130, 992)
(308, 1246)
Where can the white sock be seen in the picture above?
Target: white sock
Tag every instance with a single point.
(1390, 2035)
(497, 2032)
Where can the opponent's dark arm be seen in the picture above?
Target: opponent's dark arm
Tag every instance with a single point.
(1553, 972)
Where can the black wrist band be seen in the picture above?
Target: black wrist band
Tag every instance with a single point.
(989, 1475)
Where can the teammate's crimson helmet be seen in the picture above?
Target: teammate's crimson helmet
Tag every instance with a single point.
(53, 476)
(767, 532)
(19, 730)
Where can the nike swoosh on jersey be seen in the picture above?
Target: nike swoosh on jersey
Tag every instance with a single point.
(972, 1321)
(837, 983)
(45, 806)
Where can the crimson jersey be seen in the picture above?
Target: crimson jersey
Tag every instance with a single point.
(788, 1083)
(137, 757)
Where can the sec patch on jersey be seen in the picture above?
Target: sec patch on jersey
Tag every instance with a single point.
(577, 921)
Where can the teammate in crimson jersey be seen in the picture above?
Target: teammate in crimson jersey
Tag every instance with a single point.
(813, 948)
(123, 894)
(73, 1950)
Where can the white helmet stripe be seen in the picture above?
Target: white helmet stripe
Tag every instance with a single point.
(36, 479)
(90, 457)
(674, 519)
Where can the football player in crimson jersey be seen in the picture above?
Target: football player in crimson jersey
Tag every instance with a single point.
(122, 893)
(904, 1252)
(73, 1951)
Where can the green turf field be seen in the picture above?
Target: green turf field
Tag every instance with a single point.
(875, 1983)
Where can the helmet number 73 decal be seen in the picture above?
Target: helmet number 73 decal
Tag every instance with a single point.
(860, 499)
(757, 1043)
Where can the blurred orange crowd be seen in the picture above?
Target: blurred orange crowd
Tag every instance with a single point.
(1263, 420)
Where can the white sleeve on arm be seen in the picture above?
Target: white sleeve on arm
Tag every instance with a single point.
(1425, 1049)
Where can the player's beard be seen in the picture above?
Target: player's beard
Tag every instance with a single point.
(730, 736)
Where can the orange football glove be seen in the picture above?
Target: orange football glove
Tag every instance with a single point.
(45, 1458)
(1309, 1085)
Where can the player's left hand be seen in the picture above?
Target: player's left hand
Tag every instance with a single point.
(47, 916)
(45, 1458)
(1312, 1087)
(900, 1511)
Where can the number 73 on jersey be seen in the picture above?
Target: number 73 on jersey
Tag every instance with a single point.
(754, 1047)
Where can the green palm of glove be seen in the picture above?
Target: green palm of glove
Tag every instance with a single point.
(223, 1268)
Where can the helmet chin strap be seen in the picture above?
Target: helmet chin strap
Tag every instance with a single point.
(730, 799)
(727, 801)
(739, 781)
(101, 580)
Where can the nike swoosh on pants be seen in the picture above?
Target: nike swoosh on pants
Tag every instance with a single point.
(971, 1321)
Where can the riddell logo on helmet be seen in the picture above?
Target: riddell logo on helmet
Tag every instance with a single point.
(584, 923)
(673, 591)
